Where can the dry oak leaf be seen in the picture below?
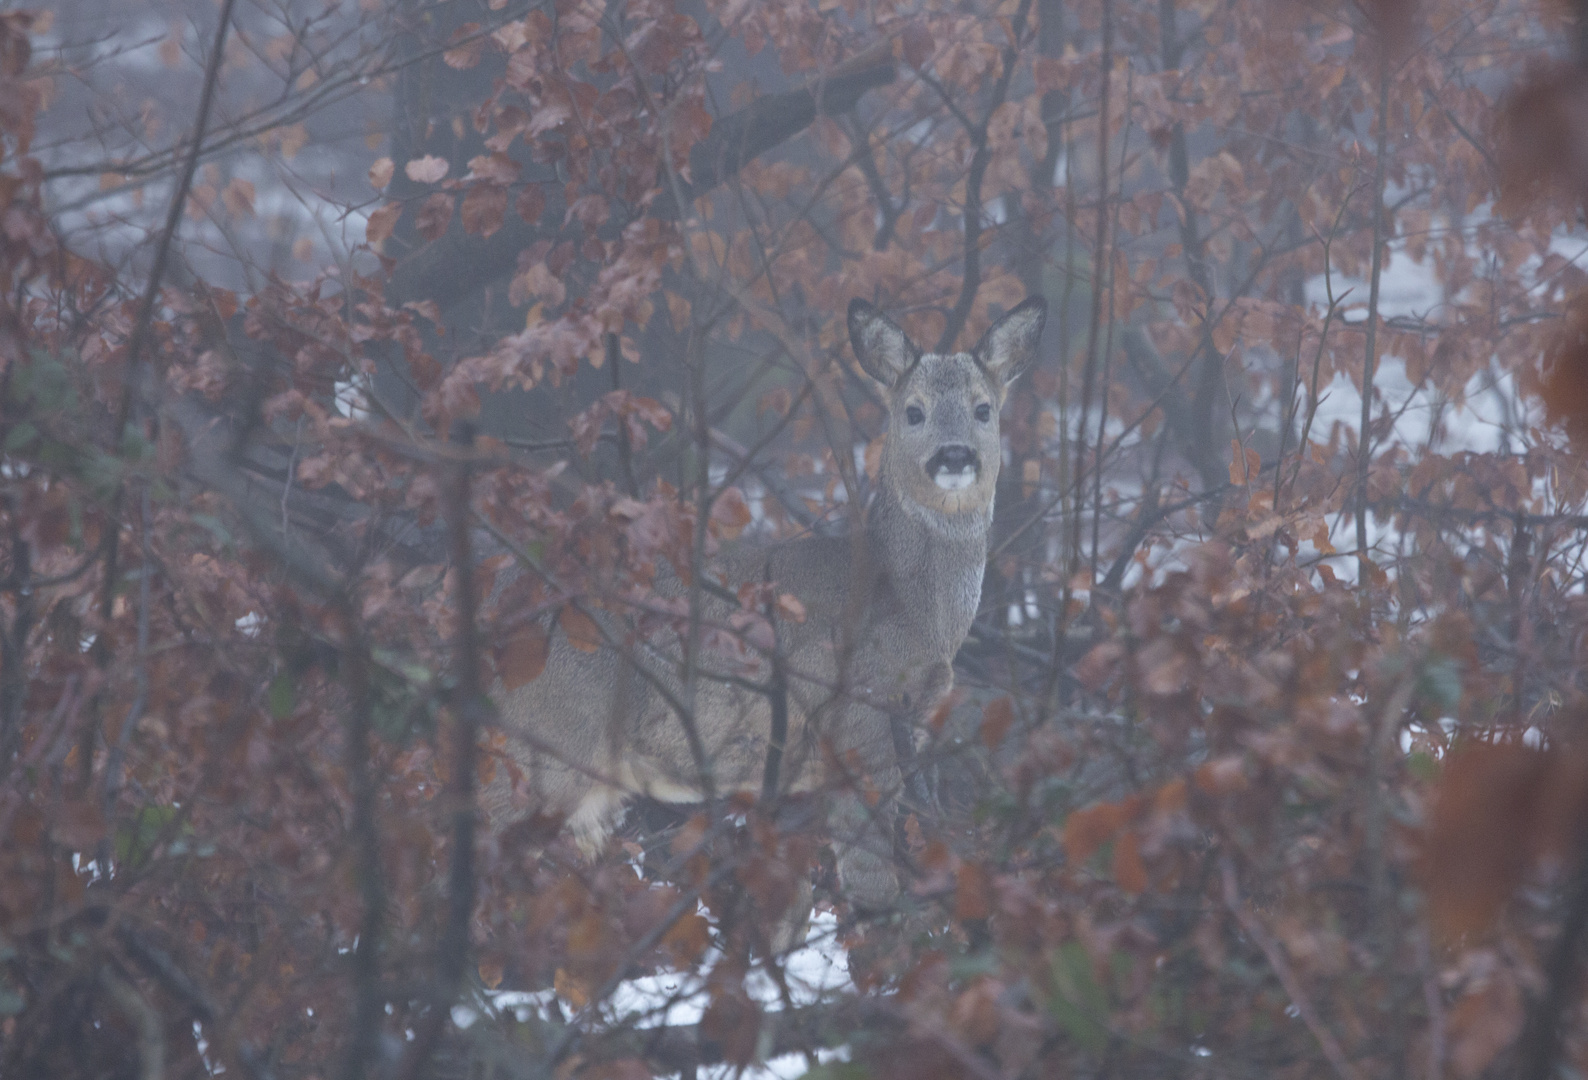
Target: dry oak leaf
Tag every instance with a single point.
(484, 209)
(917, 45)
(497, 168)
(465, 55)
(1245, 464)
(435, 214)
(380, 173)
(582, 631)
(1091, 827)
(238, 197)
(733, 1022)
(996, 719)
(510, 36)
(1482, 1024)
(381, 223)
(530, 204)
(427, 169)
(790, 608)
(1130, 873)
(975, 1014)
(973, 893)
(686, 939)
(1565, 376)
(1164, 666)
(1095, 668)
(629, 1068)
(1496, 809)
(730, 512)
(570, 989)
(522, 657)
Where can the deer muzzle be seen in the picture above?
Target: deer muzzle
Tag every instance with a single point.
(954, 467)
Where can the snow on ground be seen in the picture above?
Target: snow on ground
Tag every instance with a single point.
(815, 972)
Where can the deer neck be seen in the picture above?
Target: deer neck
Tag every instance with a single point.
(932, 565)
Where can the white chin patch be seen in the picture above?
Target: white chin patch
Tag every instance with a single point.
(955, 481)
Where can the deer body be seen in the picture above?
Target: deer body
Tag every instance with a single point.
(885, 613)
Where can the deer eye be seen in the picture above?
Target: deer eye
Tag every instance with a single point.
(914, 415)
(984, 412)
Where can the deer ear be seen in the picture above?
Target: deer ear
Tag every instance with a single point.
(1010, 344)
(884, 351)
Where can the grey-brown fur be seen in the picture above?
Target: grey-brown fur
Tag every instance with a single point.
(885, 614)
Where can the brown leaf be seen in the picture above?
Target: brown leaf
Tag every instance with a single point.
(629, 1068)
(945, 708)
(582, 631)
(491, 973)
(1245, 464)
(730, 513)
(530, 204)
(1484, 1023)
(1565, 381)
(484, 209)
(996, 720)
(1485, 806)
(432, 311)
(380, 173)
(171, 47)
(496, 168)
(522, 657)
(1165, 669)
(790, 608)
(1129, 871)
(78, 825)
(1091, 827)
(1221, 776)
(382, 222)
(427, 169)
(917, 44)
(972, 892)
(291, 139)
(1095, 668)
(238, 197)
(435, 214)
(689, 835)
(1544, 125)
(686, 939)
(570, 989)
(466, 55)
(975, 1013)
(733, 1022)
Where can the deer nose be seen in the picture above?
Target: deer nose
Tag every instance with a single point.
(953, 466)
(954, 458)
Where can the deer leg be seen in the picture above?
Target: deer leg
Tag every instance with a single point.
(861, 817)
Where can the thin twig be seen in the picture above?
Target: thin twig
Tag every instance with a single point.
(162, 252)
(103, 648)
(1275, 955)
(971, 281)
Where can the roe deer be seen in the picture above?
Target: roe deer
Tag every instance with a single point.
(885, 614)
